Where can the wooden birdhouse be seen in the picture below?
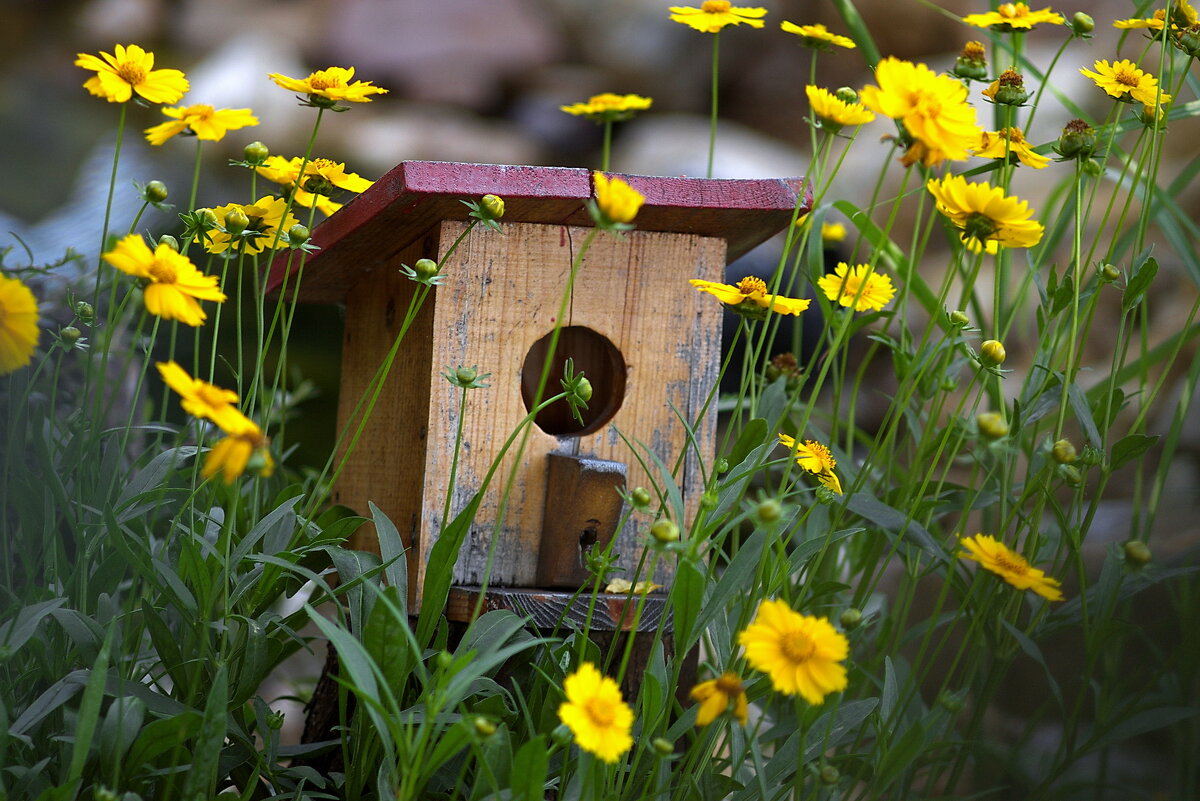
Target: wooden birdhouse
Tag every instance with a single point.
(648, 342)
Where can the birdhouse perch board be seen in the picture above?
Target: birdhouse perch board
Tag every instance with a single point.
(647, 341)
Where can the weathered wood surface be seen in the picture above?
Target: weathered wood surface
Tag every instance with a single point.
(413, 197)
(548, 610)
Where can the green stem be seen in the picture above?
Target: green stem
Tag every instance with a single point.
(712, 125)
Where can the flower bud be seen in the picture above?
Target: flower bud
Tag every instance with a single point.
(561, 735)
(1077, 140)
(959, 319)
(466, 375)
(1188, 40)
(991, 353)
(583, 389)
(425, 268)
(275, 720)
(850, 618)
(769, 511)
(1109, 273)
(664, 531)
(991, 425)
(1070, 474)
(1137, 553)
(169, 241)
(493, 205)
(255, 152)
(971, 62)
(846, 94)
(70, 335)
(1081, 23)
(85, 311)
(484, 727)
(950, 702)
(298, 234)
(640, 498)
(209, 218)
(829, 774)
(102, 793)
(721, 465)
(1063, 452)
(708, 500)
(1008, 89)
(444, 660)
(948, 383)
(155, 192)
(236, 222)
(1093, 168)
(663, 746)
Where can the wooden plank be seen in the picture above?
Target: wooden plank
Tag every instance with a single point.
(550, 609)
(414, 196)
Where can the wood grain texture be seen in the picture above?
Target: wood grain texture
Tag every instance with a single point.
(415, 195)
(548, 609)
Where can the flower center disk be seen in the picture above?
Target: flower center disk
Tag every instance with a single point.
(602, 714)
(715, 6)
(797, 646)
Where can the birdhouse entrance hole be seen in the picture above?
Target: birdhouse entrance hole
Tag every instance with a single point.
(594, 356)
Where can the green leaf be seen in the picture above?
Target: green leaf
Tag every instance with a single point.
(530, 766)
(391, 551)
(201, 777)
(16, 632)
(752, 435)
(1138, 283)
(439, 570)
(1033, 652)
(1129, 448)
(388, 641)
(89, 713)
(687, 595)
(159, 737)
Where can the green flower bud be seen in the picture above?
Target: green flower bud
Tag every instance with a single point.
(769, 511)
(102, 793)
(169, 241)
(708, 500)
(663, 746)
(484, 727)
(275, 720)
(155, 192)
(444, 660)
(850, 618)
(1137, 553)
(85, 311)
(959, 319)
(1081, 23)
(971, 62)
(209, 218)
(950, 702)
(846, 94)
(1063, 452)
(1077, 140)
(991, 425)
(298, 234)
(1070, 474)
(255, 153)
(1188, 40)
(664, 531)
(425, 268)
(236, 222)
(1009, 89)
(1109, 273)
(561, 735)
(1093, 168)
(583, 389)
(466, 375)
(70, 335)
(493, 205)
(640, 498)
(829, 774)
(721, 465)
(991, 353)
(948, 383)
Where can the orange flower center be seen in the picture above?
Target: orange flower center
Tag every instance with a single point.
(729, 684)
(133, 74)
(1126, 77)
(715, 6)
(750, 285)
(317, 84)
(1012, 563)
(1013, 10)
(162, 273)
(797, 646)
(602, 714)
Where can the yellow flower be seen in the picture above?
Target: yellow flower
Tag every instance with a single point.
(1183, 15)
(620, 586)
(860, 286)
(818, 37)
(321, 178)
(932, 107)
(713, 15)
(715, 696)
(984, 212)
(752, 292)
(267, 224)
(1125, 81)
(802, 654)
(617, 201)
(834, 112)
(816, 459)
(127, 70)
(1011, 17)
(596, 714)
(18, 325)
(993, 146)
(609, 107)
(833, 232)
(1010, 566)
(175, 285)
(332, 83)
(200, 398)
(203, 120)
(231, 454)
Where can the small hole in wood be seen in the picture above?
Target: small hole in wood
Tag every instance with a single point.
(594, 356)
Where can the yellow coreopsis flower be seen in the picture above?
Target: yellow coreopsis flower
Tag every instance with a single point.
(620, 586)
(833, 232)
(933, 108)
(200, 398)
(802, 654)
(232, 453)
(1127, 82)
(202, 120)
(1010, 566)
(861, 287)
(609, 107)
(174, 284)
(715, 697)
(818, 37)
(833, 112)
(596, 714)
(267, 225)
(1009, 17)
(617, 201)
(331, 84)
(713, 15)
(815, 458)
(983, 212)
(130, 69)
(1010, 142)
(1183, 15)
(750, 294)
(321, 178)
(18, 324)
